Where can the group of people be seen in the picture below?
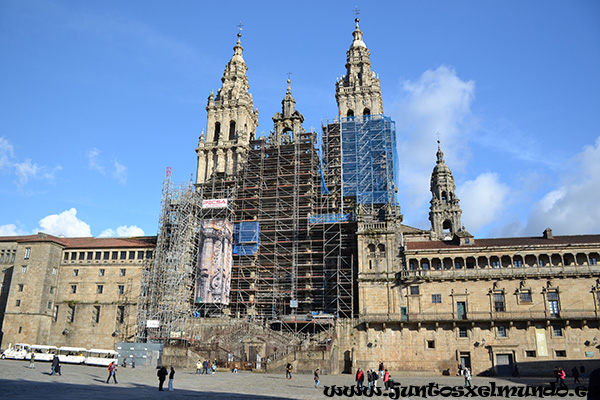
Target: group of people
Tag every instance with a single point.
(203, 367)
(373, 377)
(162, 376)
(560, 375)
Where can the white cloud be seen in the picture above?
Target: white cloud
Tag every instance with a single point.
(123, 231)
(26, 170)
(482, 200)
(93, 163)
(9, 230)
(573, 206)
(120, 173)
(65, 224)
(438, 102)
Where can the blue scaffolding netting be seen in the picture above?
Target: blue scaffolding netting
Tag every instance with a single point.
(246, 236)
(329, 218)
(369, 158)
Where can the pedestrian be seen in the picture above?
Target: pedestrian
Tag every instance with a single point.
(32, 361)
(235, 368)
(162, 375)
(555, 373)
(370, 378)
(575, 373)
(205, 366)
(288, 371)
(112, 371)
(132, 361)
(381, 369)
(561, 378)
(360, 378)
(171, 377)
(199, 367)
(582, 371)
(386, 379)
(317, 378)
(467, 374)
(593, 385)
(375, 376)
(55, 365)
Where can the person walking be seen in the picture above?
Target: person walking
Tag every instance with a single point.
(561, 379)
(112, 372)
(575, 373)
(317, 378)
(55, 365)
(32, 361)
(360, 378)
(381, 369)
(171, 377)
(467, 374)
(288, 371)
(205, 366)
(199, 367)
(162, 375)
(386, 379)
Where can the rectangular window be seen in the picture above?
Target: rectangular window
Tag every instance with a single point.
(115, 255)
(414, 290)
(71, 314)
(501, 331)
(101, 272)
(121, 289)
(98, 255)
(20, 287)
(99, 289)
(52, 289)
(54, 270)
(132, 255)
(518, 263)
(18, 303)
(499, 302)
(436, 298)
(14, 254)
(140, 255)
(66, 257)
(49, 305)
(561, 353)
(75, 272)
(553, 308)
(90, 255)
(525, 296)
(431, 344)
(529, 353)
(121, 314)
(496, 264)
(123, 255)
(463, 332)
(122, 272)
(96, 314)
(73, 289)
(106, 255)
(149, 254)
(55, 314)
(81, 256)
(557, 331)
(27, 253)
(2, 257)
(24, 268)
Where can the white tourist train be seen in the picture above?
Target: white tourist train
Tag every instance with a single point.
(67, 355)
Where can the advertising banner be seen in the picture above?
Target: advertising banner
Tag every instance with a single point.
(214, 203)
(213, 277)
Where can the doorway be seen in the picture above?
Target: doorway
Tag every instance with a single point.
(504, 364)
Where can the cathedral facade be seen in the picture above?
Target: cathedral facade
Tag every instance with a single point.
(318, 235)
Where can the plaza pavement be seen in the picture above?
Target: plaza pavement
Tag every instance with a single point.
(19, 382)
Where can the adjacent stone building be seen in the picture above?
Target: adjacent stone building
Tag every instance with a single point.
(71, 291)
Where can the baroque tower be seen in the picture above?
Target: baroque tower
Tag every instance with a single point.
(231, 123)
(288, 123)
(358, 92)
(445, 210)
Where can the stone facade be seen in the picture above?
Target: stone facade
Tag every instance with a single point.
(78, 292)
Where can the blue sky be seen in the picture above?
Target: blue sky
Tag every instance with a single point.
(97, 99)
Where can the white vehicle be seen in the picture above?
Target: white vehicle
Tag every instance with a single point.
(42, 353)
(100, 357)
(18, 351)
(71, 355)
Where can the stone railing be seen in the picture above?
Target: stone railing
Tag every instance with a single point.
(487, 273)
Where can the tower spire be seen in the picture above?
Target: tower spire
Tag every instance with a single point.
(288, 123)
(445, 212)
(359, 91)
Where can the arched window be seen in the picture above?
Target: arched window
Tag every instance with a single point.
(381, 247)
(217, 131)
(447, 228)
(350, 113)
(366, 111)
(371, 248)
(444, 197)
(232, 130)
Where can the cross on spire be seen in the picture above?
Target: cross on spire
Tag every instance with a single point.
(240, 26)
(289, 74)
(356, 11)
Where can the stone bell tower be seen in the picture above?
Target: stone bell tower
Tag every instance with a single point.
(231, 123)
(287, 123)
(445, 212)
(358, 92)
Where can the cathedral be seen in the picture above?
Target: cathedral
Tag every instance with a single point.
(301, 232)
